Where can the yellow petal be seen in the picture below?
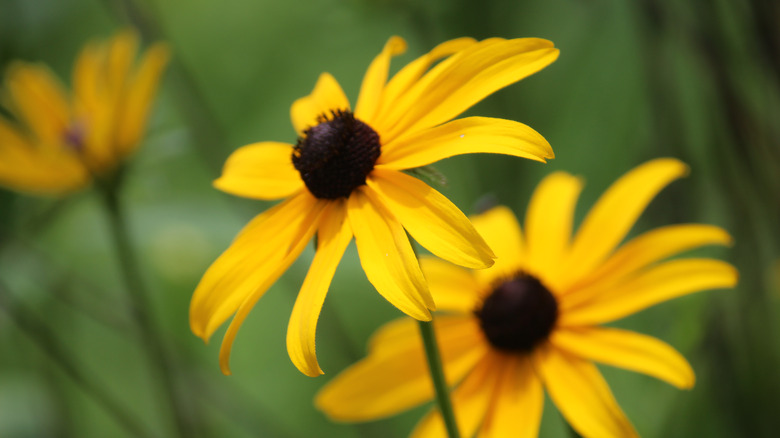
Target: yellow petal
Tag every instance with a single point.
(408, 75)
(470, 401)
(629, 350)
(548, 223)
(454, 289)
(375, 79)
(273, 274)
(249, 261)
(326, 97)
(431, 219)
(516, 410)
(333, 236)
(581, 394)
(614, 214)
(260, 171)
(387, 256)
(500, 229)
(655, 285)
(464, 136)
(121, 54)
(141, 90)
(26, 168)
(39, 100)
(395, 377)
(654, 246)
(471, 75)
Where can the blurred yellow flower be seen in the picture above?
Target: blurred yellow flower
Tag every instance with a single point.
(532, 320)
(58, 143)
(344, 178)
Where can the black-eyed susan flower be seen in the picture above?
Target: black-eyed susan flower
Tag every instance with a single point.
(531, 322)
(58, 141)
(343, 178)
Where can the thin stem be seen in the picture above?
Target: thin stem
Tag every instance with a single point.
(437, 375)
(42, 335)
(140, 307)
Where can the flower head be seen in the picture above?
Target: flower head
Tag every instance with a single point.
(532, 320)
(60, 142)
(343, 178)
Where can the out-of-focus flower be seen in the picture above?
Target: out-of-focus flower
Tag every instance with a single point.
(344, 178)
(532, 320)
(59, 142)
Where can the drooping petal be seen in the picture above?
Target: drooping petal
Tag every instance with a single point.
(470, 401)
(470, 135)
(326, 97)
(629, 350)
(387, 256)
(500, 229)
(581, 394)
(409, 74)
(29, 169)
(431, 218)
(470, 75)
(548, 224)
(141, 90)
(333, 236)
(251, 260)
(654, 246)
(660, 283)
(39, 100)
(375, 79)
(517, 406)
(395, 377)
(454, 289)
(615, 212)
(260, 171)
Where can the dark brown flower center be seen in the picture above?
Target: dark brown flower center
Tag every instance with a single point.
(75, 136)
(518, 314)
(335, 156)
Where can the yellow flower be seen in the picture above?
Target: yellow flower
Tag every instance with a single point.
(532, 320)
(344, 178)
(59, 143)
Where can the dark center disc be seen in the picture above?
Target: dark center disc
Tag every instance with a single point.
(518, 314)
(335, 156)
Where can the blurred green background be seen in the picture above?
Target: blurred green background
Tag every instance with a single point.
(695, 80)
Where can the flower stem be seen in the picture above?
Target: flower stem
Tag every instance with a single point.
(437, 375)
(140, 308)
(42, 335)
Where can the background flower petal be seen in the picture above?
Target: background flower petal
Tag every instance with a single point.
(615, 213)
(660, 283)
(260, 171)
(501, 230)
(395, 377)
(387, 256)
(454, 289)
(548, 224)
(654, 246)
(470, 135)
(333, 236)
(433, 221)
(581, 394)
(470, 401)
(516, 409)
(327, 96)
(629, 350)
(39, 100)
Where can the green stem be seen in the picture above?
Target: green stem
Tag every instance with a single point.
(437, 375)
(42, 335)
(140, 307)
